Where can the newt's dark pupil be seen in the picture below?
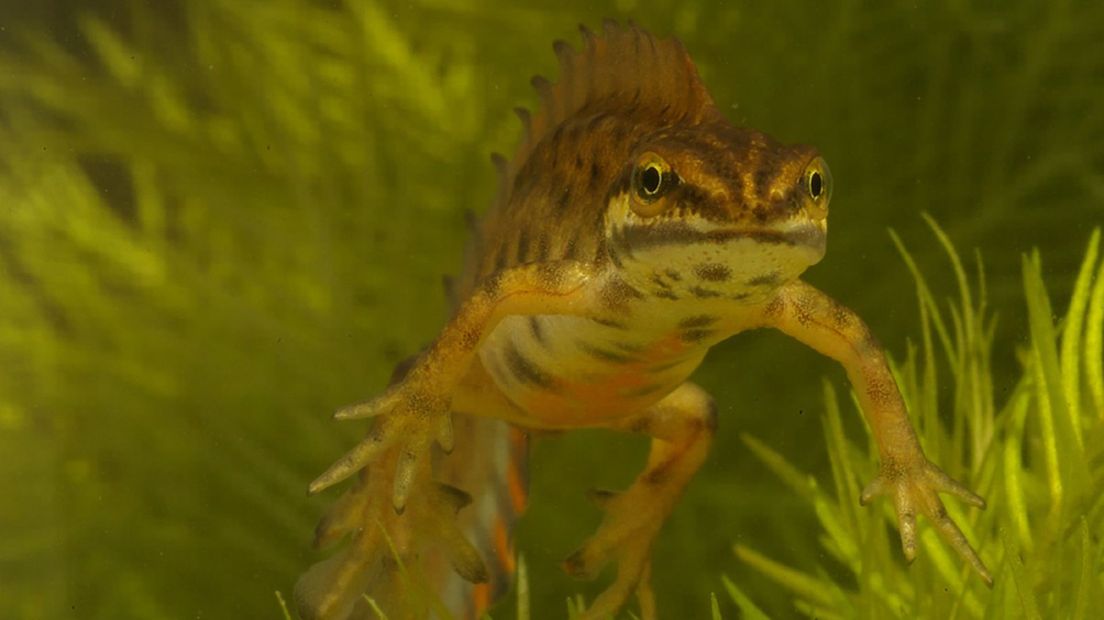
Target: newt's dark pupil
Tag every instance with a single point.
(816, 184)
(650, 179)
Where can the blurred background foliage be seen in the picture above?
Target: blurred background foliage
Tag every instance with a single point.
(221, 219)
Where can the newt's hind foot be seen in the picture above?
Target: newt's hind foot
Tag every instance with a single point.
(633, 519)
(381, 543)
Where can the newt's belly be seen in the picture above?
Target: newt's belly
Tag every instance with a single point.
(569, 372)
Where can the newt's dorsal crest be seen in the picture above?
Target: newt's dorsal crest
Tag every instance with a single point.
(624, 70)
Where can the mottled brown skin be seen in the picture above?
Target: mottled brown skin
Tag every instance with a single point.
(634, 229)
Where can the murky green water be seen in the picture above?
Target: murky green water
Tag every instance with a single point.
(220, 220)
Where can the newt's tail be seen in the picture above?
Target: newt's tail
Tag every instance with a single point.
(438, 558)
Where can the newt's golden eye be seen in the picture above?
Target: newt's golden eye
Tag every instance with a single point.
(818, 181)
(652, 178)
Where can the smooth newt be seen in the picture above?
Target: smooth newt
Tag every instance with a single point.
(634, 228)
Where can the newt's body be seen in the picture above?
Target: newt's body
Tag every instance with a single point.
(634, 229)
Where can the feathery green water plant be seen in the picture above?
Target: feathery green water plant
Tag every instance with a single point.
(1035, 451)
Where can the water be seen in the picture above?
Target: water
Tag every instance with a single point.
(221, 220)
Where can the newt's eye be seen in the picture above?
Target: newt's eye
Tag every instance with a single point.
(652, 178)
(818, 181)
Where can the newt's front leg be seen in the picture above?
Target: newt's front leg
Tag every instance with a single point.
(907, 476)
(414, 412)
(410, 415)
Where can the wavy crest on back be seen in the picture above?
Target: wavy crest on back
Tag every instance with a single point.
(622, 70)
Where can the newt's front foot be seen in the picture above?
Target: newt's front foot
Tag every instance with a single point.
(914, 489)
(411, 415)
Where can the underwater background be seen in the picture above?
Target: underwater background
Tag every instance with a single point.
(222, 219)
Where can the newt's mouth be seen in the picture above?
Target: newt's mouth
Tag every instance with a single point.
(808, 234)
(649, 236)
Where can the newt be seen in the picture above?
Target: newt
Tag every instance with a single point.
(634, 228)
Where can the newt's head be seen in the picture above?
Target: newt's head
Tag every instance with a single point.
(722, 211)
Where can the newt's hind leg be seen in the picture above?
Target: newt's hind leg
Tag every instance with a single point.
(682, 426)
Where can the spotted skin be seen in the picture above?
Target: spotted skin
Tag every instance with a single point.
(634, 228)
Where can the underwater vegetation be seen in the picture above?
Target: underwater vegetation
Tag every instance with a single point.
(222, 219)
